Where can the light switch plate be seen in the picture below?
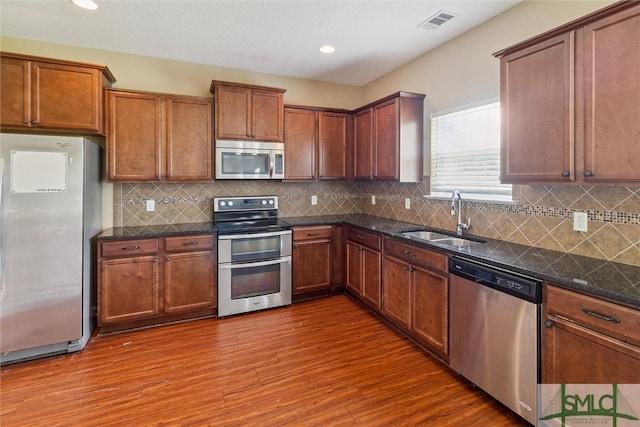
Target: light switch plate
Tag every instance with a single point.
(373, 199)
(407, 203)
(314, 200)
(151, 205)
(580, 220)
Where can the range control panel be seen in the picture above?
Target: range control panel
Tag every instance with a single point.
(250, 203)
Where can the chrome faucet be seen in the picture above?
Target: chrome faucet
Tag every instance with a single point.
(460, 225)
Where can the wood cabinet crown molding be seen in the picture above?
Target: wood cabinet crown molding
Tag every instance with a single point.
(568, 27)
(217, 83)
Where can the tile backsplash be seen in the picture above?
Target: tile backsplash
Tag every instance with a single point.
(541, 216)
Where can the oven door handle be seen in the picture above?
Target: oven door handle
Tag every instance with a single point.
(253, 235)
(229, 266)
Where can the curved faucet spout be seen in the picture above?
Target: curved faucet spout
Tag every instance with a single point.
(456, 197)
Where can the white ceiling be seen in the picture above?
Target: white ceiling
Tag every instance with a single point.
(372, 37)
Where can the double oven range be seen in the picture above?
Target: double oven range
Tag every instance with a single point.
(254, 254)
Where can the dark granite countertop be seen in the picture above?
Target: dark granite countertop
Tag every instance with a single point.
(118, 233)
(604, 279)
(601, 278)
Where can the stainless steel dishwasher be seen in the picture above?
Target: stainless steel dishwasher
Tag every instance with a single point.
(494, 332)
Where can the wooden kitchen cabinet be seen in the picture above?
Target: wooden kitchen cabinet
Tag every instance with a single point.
(388, 139)
(43, 94)
(245, 112)
(158, 137)
(156, 280)
(570, 102)
(415, 293)
(317, 259)
(316, 144)
(587, 340)
(364, 266)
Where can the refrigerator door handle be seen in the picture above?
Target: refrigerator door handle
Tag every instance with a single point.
(1, 234)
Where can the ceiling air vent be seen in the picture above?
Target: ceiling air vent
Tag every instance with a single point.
(437, 20)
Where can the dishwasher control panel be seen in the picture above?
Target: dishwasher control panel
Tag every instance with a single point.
(516, 284)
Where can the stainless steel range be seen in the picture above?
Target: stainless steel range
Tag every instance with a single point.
(254, 254)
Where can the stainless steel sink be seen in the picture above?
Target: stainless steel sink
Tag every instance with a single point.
(443, 239)
(424, 235)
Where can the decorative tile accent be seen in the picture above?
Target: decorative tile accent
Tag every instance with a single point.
(542, 215)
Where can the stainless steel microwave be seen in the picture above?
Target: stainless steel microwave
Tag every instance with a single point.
(249, 160)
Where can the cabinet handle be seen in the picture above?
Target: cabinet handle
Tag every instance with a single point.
(312, 234)
(360, 237)
(130, 248)
(565, 174)
(409, 253)
(407, 268)
(360, 248)
(600, 316)
(548, 324)
(190, 243)
(35, 122)
(588, 173)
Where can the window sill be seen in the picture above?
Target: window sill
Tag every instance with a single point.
(500, 200)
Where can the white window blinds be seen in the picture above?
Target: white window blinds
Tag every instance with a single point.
(465, 153)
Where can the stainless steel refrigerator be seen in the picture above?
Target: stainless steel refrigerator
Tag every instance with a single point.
(50, 206)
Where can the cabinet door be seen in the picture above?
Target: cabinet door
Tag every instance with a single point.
(371, 265)
(386, 137)
(574, 354)
(189, 281)
(188, 139)
(537, 103)
(332, 145)
(612, 98)
(128, 289)
(233, 112)
(266, 115)
(431, 309)
(354, 268)
(66, 97)
(363, 145)
(15, 88)
(300, 142)
(396, 292)
(133, 136)
(311, 265)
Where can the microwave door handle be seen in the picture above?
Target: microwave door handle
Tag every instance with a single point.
(271, 165)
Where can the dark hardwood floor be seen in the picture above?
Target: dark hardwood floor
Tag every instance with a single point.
(326, 362)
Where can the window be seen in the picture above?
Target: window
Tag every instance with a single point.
(465, 153)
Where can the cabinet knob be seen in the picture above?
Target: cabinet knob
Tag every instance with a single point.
(167, 259)
(155, 260)
(548, 323)
(588, 173)
(25, 121)
(248, 135)
(408, 253)
(565, 174)
(35, 122)
(295, 246)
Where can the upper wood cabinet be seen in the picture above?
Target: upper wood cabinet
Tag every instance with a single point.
(158, 137)
(570, 101)
(316, 144)
(43, 94)
(389, 139)
(248, 112)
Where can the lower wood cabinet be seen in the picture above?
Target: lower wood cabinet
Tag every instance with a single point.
(587, 340)
(364, 263)
(415, 293)
(317, 259)
(155, 280)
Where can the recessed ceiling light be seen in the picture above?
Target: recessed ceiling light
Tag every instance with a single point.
(85, 4)
(327, 49)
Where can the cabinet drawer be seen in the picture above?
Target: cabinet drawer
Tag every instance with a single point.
(415, 255)
(601, 315)
(364, 238)
(312, 233)
(125, 248)
(203, 242)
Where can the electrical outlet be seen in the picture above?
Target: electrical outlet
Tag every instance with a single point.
(580, 220)
(407, 203)
(151, 205)
(314, 200)
(373, 199)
